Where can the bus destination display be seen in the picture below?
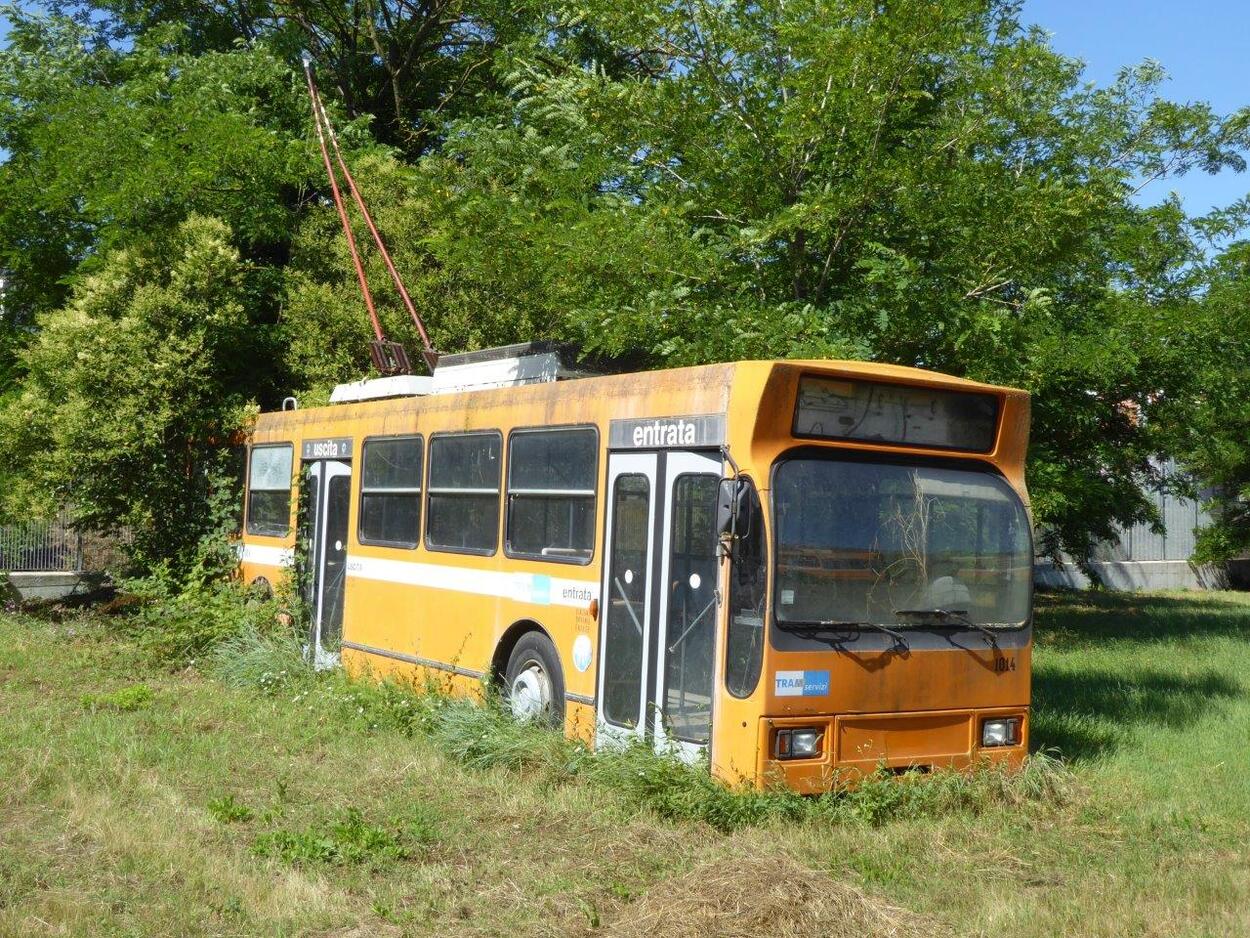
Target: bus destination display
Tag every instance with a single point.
(832, 408)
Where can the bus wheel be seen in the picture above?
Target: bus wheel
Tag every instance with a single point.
(535, 684)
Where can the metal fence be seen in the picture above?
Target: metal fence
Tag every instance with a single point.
(1143, 559)
(53, 546)
(49, 545)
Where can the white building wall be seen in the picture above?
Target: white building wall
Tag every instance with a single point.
(1142, 559)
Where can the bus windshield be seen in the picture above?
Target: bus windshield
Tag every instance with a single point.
(887, 542)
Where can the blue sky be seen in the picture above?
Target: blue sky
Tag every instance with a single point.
(1204, 45)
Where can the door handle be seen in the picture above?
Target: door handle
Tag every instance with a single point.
(629, 606)
(693, 623)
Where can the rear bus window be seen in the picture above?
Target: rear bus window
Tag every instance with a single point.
(462, 500)
(390, 492)
(551, 494)
(269, 490)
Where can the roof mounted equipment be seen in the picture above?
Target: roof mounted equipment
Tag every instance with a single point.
(507, 366)
(390, 358)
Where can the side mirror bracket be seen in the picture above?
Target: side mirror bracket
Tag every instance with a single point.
(732, 507)
(733, 516)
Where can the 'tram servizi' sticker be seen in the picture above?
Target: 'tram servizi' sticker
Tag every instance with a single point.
(801, 684)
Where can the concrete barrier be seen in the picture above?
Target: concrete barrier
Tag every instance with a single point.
(1143, 575)
(50, 585)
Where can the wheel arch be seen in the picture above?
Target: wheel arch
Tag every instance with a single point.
(503, 648)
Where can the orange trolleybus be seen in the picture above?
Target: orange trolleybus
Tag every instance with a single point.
(798, 570)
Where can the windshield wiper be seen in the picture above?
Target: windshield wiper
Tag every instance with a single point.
(959, 616)
(828, 625)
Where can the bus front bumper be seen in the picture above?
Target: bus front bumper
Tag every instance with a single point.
(853, 745)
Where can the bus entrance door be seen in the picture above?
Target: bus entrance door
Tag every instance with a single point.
(658, 640)
(325, 539)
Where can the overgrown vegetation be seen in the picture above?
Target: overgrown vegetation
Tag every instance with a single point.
(177, 625)
(315, 803)
(181, 612)
(252, 643)
(484, 736)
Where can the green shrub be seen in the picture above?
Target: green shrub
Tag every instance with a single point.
(349, 840)
(226, 810)
(176, 623)
(125, 700)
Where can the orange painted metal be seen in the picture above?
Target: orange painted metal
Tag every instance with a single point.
(896, 708)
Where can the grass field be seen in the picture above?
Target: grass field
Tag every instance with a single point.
(137, 801)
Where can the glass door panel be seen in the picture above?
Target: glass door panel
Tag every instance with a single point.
(626, 597)
(329, 501)
(660, 606)
(690, 624)
(689, 604)
(334, 564)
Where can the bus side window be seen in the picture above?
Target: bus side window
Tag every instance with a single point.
(748, 580)
(390, 491)
(269, 490)
(551, 494)
(462, 498)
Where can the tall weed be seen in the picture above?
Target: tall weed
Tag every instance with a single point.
(177, 622)
(484, 736)
(269, 658)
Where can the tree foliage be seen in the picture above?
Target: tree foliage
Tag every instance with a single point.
(135, 389)
(1209, 423)
(929, 184)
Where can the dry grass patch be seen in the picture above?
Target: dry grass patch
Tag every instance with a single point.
(156, 840)
(756, 895)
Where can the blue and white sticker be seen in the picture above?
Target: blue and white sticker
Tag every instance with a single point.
(801, 684)
(540, 589)
(582, 652)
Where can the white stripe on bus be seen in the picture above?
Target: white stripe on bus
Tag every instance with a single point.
(268, 556)
(536, 588)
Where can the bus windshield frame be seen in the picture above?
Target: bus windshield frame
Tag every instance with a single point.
(873, 584)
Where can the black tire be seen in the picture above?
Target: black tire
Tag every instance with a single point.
(534, 653)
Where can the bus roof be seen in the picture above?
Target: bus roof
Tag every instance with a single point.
(632, 383)
(900, 372)
(756, 397)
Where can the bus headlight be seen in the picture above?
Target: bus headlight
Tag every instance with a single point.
(798, 744)
(1000, 732)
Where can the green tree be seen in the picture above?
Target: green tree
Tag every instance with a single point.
(110, 148)
(1210, 425)
(146, 209)
(408, 67)
(911, 182)
(135, 391)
